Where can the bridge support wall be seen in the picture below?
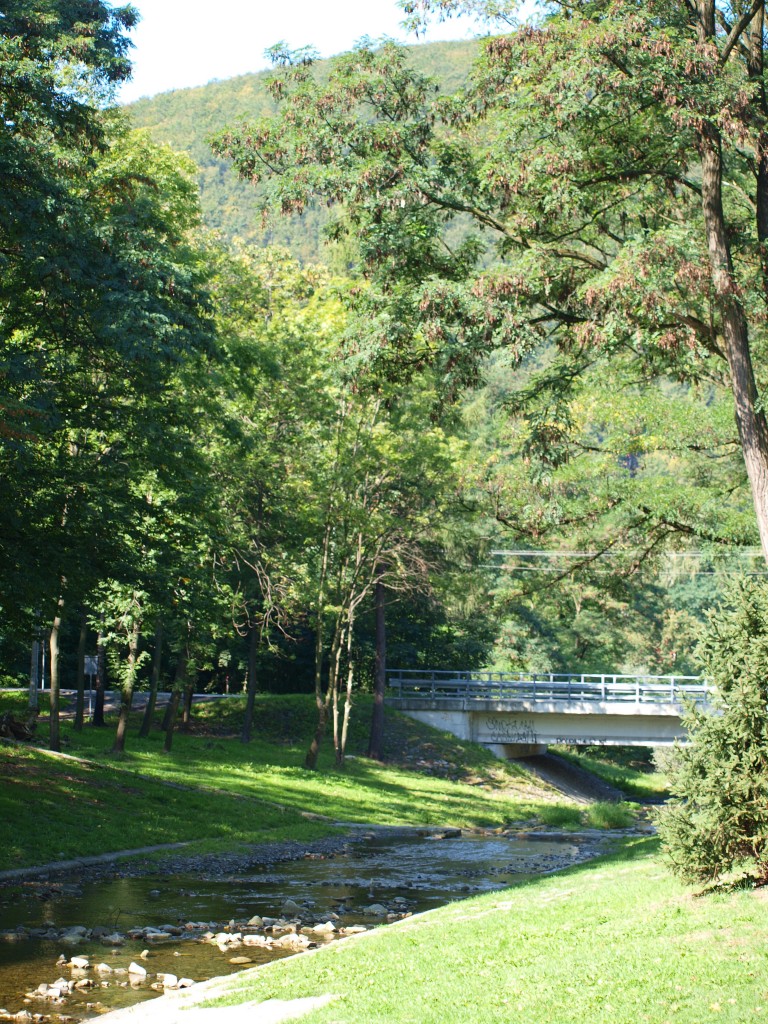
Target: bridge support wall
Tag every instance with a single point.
(525, 729)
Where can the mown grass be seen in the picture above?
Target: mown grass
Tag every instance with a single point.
(630, 769)
(58, 808)
(610, 942)
(212, 786)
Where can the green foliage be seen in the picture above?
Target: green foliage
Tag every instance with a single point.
(610, 815)
(560, 817)
(185, 120)
(717, 820)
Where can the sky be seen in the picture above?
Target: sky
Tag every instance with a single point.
(181, 43)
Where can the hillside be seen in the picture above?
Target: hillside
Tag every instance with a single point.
(186, 118)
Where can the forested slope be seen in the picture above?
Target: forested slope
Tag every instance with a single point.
(186, 118)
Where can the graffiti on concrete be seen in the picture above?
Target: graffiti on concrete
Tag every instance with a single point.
(506, 729)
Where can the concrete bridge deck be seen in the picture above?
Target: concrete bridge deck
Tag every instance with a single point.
(516, 715)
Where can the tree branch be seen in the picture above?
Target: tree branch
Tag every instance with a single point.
(735, 34)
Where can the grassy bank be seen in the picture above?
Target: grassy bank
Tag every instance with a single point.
(213, 787)
(633, 770)
(611, 942)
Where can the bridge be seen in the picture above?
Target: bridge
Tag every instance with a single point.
(517, 715)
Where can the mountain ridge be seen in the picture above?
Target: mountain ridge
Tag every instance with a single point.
(186, 118)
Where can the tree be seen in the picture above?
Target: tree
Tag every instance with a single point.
(717, 819)
(58, 65)
(612, 164)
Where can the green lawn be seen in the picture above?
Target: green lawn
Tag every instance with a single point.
(616, 941)
(213, 787)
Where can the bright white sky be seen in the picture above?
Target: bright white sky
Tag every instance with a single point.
(181, 43)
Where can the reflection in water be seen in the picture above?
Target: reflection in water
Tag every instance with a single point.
(398, 870)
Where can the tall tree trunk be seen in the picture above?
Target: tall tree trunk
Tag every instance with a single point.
(173, 705)
(45, 660)
(376, 739)
(750, 418)
(324, 703)
(334, 692)
(321, 704)
(341, 752)
(129, 682)
(157, 661)
(55, 731)
(80, 682)
(101, 679)
(186, 714)
(251, 685)
(34, 678)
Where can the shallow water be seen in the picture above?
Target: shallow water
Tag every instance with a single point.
(399, 870)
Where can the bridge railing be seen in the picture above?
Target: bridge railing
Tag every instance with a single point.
(418, 684)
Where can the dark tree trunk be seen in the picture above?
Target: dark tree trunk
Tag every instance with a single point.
(186, 715)
(314, 748)
(80, 697)
(55, 732)
(376, 741)
(173, 706)
(157, 659)
(34, 678)
(251, 686)
(101, 681)
(126, 697)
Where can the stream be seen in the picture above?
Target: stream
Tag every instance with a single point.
(194, 917)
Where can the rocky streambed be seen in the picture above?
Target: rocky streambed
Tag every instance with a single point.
(73, 947)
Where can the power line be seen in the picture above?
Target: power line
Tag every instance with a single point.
(563, 553)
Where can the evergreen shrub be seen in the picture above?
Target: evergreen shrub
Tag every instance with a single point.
(717, 819)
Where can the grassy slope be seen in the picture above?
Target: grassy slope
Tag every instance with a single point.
(630, 769)
(612, 942)
(212, 787)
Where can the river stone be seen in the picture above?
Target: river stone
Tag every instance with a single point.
(240, 960)
(186, 983)
(256, 940)
(168, 980)
(256, 922)
(103, 968)
(80, 962)
(291, 909)
(325, 928)
(292, 941)
(376, 909)
(137, 970)
(116, 939)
